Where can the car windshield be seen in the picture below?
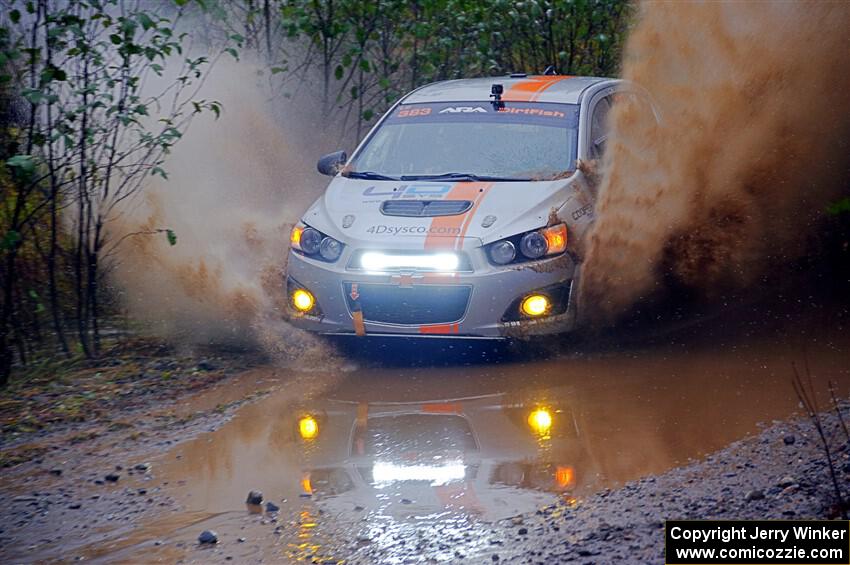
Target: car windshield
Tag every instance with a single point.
(519, 141)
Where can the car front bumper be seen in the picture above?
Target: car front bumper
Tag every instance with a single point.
(479, 304)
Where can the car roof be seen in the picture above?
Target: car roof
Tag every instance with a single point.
(517, 88)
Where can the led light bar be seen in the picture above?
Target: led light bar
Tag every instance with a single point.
(435, 474)
(376, 261)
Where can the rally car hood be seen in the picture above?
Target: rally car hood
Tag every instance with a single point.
(351, 210)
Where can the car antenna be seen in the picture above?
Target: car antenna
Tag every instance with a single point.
(496, 94)
(550, 70)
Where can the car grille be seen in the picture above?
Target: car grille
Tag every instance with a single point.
(419, 304)
(424, 208)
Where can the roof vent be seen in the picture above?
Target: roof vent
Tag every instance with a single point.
(518, 75)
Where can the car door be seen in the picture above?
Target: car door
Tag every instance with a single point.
(601, 108)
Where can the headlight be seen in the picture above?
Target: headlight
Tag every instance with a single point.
(310, 241)
(532, 245)
(315, 244)
(502, 252)
(330, 249)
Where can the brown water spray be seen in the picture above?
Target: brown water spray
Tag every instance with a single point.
(754, 100)
(236, 185)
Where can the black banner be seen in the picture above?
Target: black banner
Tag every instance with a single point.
(694, 542)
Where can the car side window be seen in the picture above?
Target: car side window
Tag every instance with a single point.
(599, 127)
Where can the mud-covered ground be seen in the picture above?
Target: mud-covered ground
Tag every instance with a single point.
(76, 435)
(434, 452)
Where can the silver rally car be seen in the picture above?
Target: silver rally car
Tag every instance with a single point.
(461, 214)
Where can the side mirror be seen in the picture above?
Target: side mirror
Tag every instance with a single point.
(331, 163)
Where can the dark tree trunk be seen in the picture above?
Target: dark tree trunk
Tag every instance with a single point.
(6, 317)
(55, 311)
(268, 18)
(84, 213)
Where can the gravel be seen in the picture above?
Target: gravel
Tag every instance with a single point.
(208, 537)
(255, 497)
(763, 476)
(780, 479)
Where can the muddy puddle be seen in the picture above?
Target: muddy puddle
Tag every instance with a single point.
(388, 452)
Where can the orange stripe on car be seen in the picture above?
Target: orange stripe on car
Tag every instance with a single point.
(440, 329)
(437, 277)
(446, 232)
(529, 90)
(484, 188)
(445, 229)
(441, 408)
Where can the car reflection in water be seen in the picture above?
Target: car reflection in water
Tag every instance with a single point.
(489, 456)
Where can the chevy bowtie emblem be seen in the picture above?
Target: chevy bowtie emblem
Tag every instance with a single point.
(354, 293)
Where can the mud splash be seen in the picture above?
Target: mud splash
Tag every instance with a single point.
(751, 148)
(235, 187)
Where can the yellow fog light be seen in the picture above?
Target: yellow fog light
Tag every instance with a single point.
(308, 427)
(535, 305)
(302, 300)
(540, 421)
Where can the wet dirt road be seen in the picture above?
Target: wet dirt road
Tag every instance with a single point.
(438, 440)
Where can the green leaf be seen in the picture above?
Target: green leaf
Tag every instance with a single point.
(115, 39)
(233, 52)
(128, 27)
(145, 20)
(23, 166)
(839, 207)
(172, 237)
(338, 72)
(33, 96)
(276, 70)
(159, 172)
(10, 239)
(15, 16)
(39, 307)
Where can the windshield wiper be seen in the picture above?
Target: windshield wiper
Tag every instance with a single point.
(462, 176)
(368, 175)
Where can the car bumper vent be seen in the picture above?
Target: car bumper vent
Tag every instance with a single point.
(420, 304)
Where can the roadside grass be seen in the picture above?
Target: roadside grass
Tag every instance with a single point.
(55, 392)
(21, 454)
